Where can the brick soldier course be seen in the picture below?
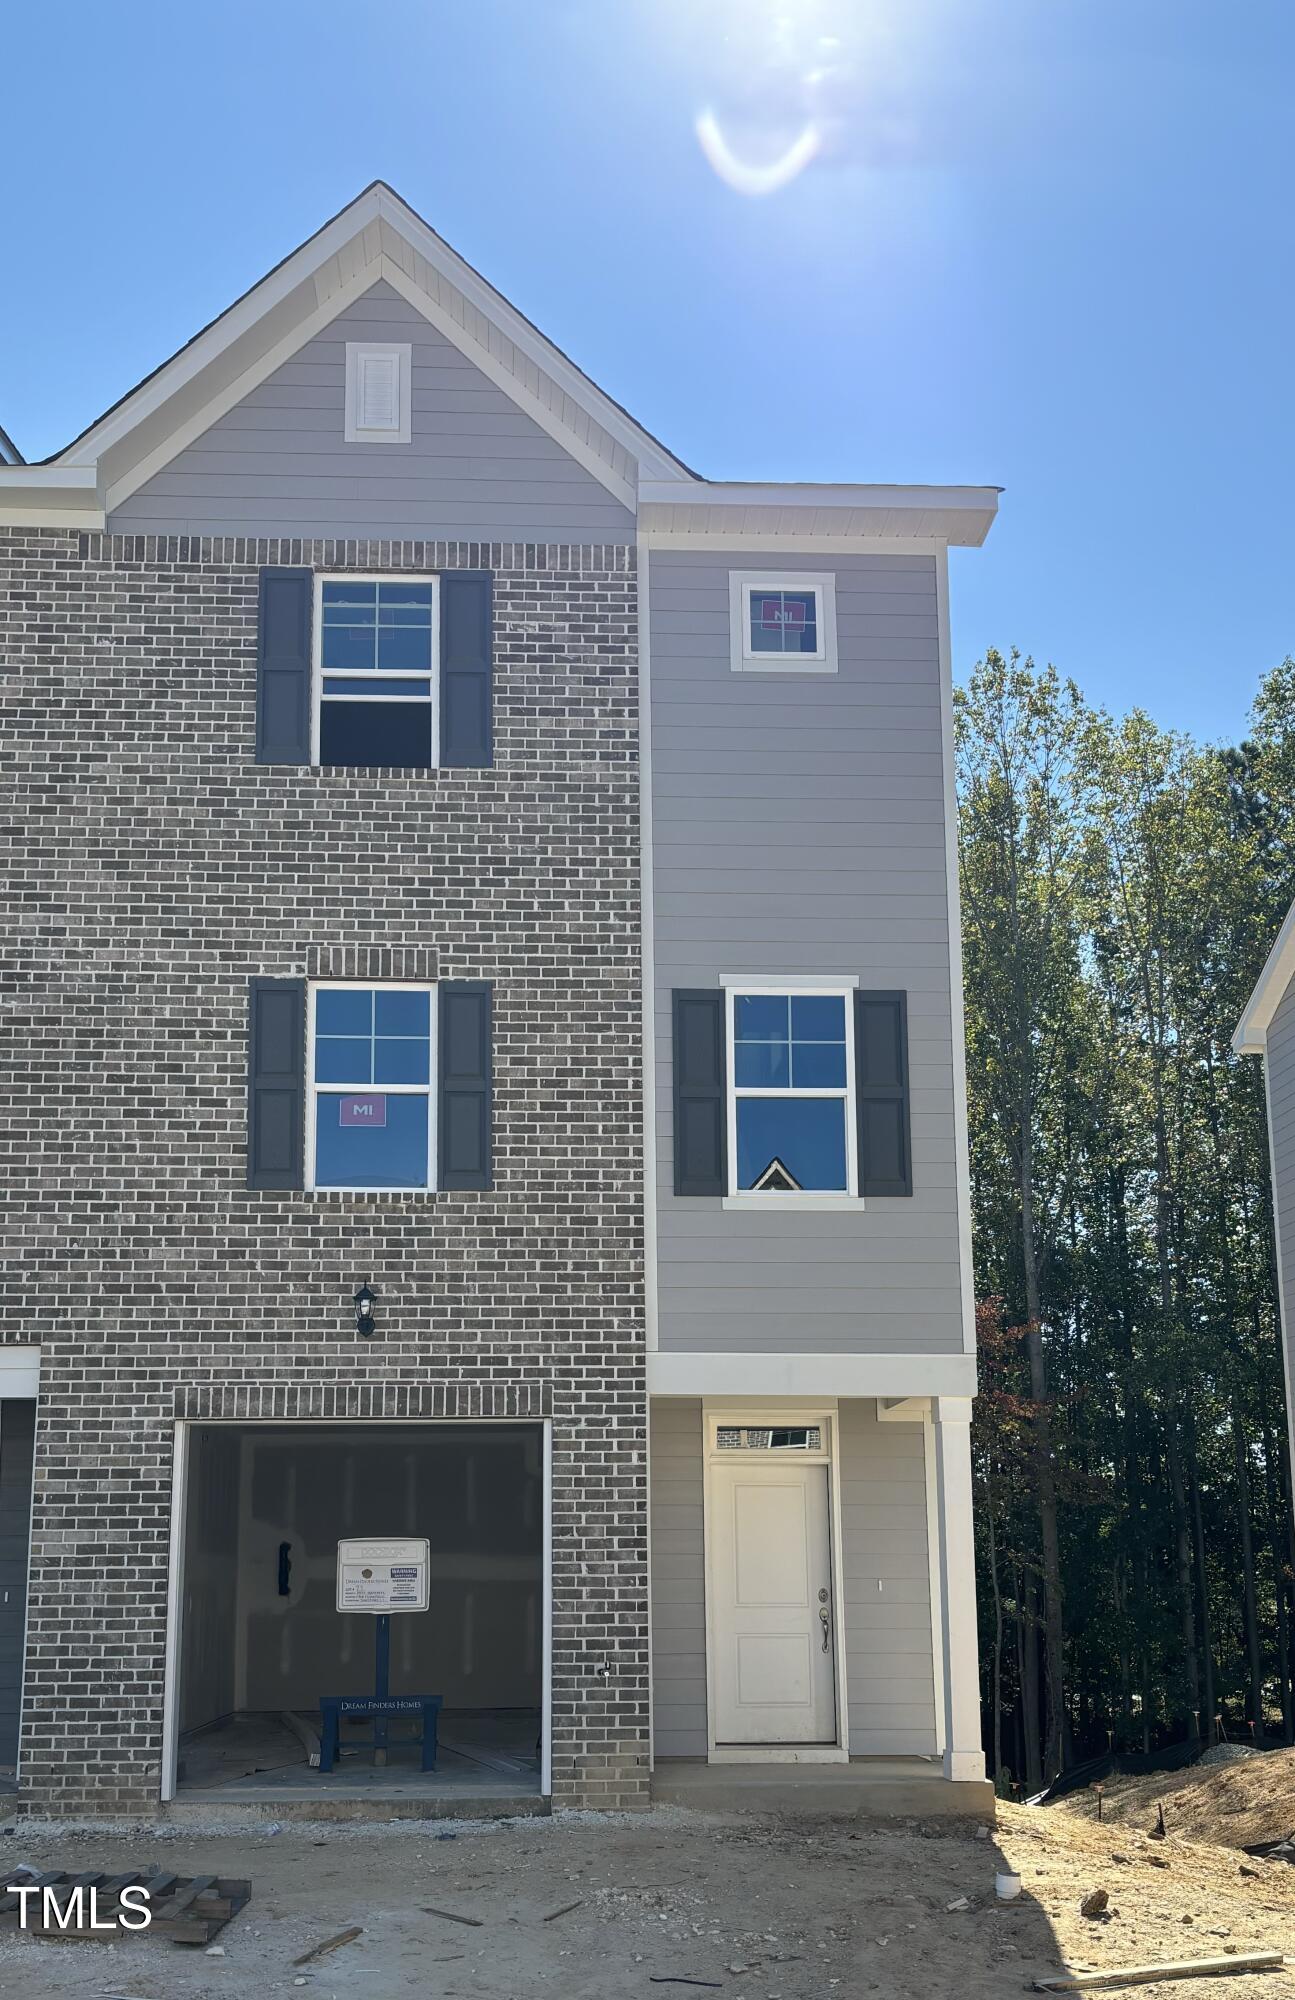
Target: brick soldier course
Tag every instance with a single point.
(154, 869)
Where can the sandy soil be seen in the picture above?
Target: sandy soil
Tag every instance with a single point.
(769, 1909)
(1239, 1805)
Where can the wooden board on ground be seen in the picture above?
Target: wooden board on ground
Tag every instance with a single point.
(1148, 1975)
(186, 1909)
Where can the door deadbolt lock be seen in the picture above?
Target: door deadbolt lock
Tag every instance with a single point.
(822, 1596)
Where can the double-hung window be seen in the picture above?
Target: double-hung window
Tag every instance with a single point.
(370, 1121)
(791, 1095)
(782, 623)
(377, 649)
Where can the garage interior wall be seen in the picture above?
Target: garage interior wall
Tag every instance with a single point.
(475, 1491)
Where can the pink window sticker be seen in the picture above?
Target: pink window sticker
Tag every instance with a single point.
(371, 1109)
(778, 612)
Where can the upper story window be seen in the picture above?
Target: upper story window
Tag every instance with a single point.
(377, 392)
(369, 1097)
(376, 655)
(791, 1096)
(780, 622)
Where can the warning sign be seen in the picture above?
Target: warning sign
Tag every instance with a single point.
(382, 1576)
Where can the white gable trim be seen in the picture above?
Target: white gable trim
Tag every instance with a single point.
(503, 378)
(377, 236)
(354, 288)
(1251, 1036)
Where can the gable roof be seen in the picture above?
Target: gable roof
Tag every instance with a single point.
(1251, 1037)
(379, 236)
(375, 236)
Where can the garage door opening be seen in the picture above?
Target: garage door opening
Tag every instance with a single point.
(260, 1644)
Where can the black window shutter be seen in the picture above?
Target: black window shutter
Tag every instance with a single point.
(700, 1094)
(881, 1087)
(466, 651)
(464, 1089)
(276, 1076)
(283, 667)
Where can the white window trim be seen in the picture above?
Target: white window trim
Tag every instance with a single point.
(398, 433)
(314, 988)
(432, 673)
(806, 1198)
(741, 584)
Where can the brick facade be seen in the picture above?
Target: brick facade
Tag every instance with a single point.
(154, 869)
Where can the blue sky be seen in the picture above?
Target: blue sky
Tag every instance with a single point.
(1043, 244)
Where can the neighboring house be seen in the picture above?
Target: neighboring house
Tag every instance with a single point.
(483, 991)
(1267, 1029)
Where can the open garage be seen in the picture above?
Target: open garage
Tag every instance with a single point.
(262, 1649)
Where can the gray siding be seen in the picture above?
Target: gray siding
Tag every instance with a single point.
(885, 1562)
(476, 468)
(678, 1581)
(798, 826)
(1280, 1058)
(890, 1679)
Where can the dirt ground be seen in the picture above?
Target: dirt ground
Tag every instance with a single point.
(766, 1908)
(1241, 1804)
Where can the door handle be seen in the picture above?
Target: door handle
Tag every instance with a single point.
(826, 1622)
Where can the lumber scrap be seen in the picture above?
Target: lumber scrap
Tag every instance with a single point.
(1178, 1968)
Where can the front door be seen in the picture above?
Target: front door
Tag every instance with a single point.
(771, 1578)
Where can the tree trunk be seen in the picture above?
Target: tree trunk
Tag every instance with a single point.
(1202, 1581)
(1029, 1631)
(998, 1644)
(1186, 1593)
(1045, 1483)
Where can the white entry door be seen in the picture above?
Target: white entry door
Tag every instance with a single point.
(771, 1580)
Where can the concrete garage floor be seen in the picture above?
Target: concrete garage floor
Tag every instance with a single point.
(767, 1907)
(482, 1761)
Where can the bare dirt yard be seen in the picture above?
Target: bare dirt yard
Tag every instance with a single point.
(753, 1907)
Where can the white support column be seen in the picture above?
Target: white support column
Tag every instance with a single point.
(964, 1755)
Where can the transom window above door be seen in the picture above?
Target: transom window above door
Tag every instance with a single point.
(791, 1100)
(376, 679)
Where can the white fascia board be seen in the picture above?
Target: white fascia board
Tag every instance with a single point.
(651, 456)
(503, 378)
(229, 327)
(1251, 1035)
(334, 259)
(785, 1375)
(962, 515)
(49, 496)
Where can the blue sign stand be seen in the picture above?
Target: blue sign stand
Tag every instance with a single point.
(380, 1705)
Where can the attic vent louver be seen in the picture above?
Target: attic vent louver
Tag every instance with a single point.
(377, 393)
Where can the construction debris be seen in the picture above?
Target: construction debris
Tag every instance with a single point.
(186, 1909)
(1147, 1975)
(330, 1944)
(452, 1916)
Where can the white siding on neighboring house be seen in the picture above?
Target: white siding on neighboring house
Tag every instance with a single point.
(477, 466)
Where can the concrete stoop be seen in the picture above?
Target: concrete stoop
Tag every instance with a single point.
(872, 1787)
